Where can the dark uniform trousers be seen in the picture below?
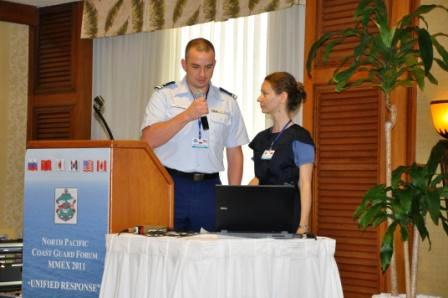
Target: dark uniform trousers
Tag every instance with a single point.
(194, 200)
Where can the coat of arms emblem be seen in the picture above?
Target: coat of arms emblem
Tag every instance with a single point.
(65, 205)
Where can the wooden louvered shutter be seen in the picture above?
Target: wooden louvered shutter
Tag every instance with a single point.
(347, 134)
(348, 129)
(61, 76)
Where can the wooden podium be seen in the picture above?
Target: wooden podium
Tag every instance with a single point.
(76, 192)
(141, 190)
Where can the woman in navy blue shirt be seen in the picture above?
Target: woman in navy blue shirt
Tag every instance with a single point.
(284, 153)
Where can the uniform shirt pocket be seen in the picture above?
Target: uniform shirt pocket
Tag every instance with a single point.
(219, 128)
(219, 118)
(176, 107)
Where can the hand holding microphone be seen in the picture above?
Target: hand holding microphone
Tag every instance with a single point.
(200, 107)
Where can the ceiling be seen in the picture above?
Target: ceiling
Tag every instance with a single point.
(40, 3)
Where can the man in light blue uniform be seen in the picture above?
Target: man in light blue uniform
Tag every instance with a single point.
(191, 151)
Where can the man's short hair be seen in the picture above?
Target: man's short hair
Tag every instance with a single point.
(200, 44)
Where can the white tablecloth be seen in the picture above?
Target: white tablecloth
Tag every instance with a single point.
(214, 267)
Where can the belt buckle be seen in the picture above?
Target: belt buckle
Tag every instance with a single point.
(198, 176)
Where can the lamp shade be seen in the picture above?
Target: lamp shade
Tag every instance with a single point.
(439, 111)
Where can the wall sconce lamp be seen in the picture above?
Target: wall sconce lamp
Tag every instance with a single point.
(439, 111)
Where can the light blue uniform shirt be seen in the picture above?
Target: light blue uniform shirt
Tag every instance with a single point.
(226, 128)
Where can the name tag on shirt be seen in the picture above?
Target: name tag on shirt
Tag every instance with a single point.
(199, 143)
(267, 154)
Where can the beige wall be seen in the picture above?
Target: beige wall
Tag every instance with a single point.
(13, 105)
(433, 264)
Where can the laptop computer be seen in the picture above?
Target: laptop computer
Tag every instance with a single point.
(263, 210)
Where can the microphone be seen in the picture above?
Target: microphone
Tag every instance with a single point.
(204, 120)
(98, 104)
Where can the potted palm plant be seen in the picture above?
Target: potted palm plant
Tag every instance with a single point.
(400, 54)
(415, 191)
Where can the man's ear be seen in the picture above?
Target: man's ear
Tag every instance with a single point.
(184, 64)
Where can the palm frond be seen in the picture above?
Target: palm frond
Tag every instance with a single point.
(209, 9)
(273, 5)
(194, 17)
(253, 4)
(178, 10)
(137, 15)
(231, 8)
(92, 19)
(156, 14)
(111, 15)
(123, 28)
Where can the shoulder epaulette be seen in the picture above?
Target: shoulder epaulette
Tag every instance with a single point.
(164, 85)
(228, 93)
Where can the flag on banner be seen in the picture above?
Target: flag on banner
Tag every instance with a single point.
(32, 165)
(87, 166)
(73, 166)
(45, 165)
(101, 166)
(60, 165)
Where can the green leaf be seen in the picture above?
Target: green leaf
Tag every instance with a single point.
(445, 227)
(370, 215)
(406, 83)
(419, 76)
(433, 203)
(422, 9)
(397, 210)
(329, 48)
(344, 75)
(377, 221)
(404, 233)
(396, 175)
(387, 246)
(405, 199)
(419, 175)
(440, 49)
(432, 79)
(425, 46)
(437, 153)
(419, 221)
(442, 64)
(387, 35)
(315, 48)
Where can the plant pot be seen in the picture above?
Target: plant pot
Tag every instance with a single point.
(388, 295)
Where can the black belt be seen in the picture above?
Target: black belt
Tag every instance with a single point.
(193, 176)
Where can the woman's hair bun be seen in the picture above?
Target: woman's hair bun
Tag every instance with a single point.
(301, 90)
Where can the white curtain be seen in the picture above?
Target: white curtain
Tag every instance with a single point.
(126, 68)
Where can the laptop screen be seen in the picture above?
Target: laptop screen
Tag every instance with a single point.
(256, 208)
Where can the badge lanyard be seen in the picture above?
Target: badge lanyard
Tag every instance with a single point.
(268, 153)
(279, 135)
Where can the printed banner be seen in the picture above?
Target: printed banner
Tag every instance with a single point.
(65, 221)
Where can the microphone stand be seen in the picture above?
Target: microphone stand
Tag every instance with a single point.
(97, 107)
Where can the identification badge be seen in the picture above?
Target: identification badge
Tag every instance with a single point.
(267, 154)
(199, 143)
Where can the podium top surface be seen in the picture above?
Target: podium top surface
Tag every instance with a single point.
(85, 144)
